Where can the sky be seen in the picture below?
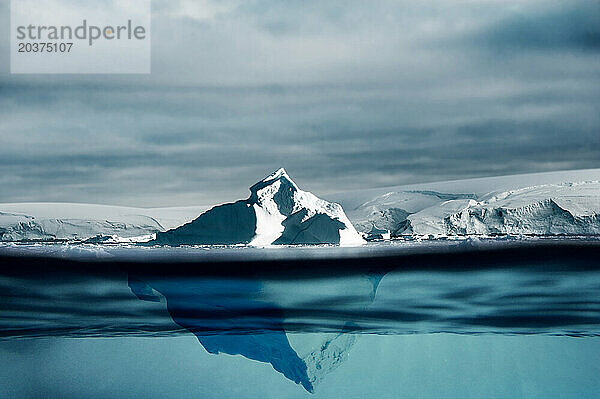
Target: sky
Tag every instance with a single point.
(344, 95)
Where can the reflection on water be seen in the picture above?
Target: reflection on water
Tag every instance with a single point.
(305, 325)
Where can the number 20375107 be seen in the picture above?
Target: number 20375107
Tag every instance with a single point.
(45, 47)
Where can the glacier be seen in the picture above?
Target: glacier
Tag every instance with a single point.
(78, 222)
(277, 212)
(565, 206)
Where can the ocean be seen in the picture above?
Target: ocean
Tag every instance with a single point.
(465, 318)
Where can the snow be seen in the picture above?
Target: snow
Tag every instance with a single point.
(389, 211)
(268, 227)
(538, 204)
(567, 208)
(277, 212)
(478, 187)
(65, 221)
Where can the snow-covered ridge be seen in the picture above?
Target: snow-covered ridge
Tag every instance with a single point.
(565, 208)
(64, 221)
(277, 212)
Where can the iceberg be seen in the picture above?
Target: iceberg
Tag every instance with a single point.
(223, 314)
(191, 302)
(277, 212)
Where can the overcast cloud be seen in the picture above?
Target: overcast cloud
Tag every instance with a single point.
(344, 95)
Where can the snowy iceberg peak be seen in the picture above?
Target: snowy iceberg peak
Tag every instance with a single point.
(287, 215)
(277, 212)
(276, 193)
(280, 176)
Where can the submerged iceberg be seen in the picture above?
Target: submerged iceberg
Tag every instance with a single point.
(252, 318)
(277, 212)
(195, 302)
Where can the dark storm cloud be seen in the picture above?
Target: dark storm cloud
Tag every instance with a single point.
(344, 95)
(572, 25)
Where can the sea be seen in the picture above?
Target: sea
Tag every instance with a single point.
(476, 317)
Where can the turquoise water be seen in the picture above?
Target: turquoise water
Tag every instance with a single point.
(425, 320)
(411, 366)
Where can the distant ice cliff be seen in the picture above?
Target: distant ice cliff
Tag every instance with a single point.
(549, 209)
